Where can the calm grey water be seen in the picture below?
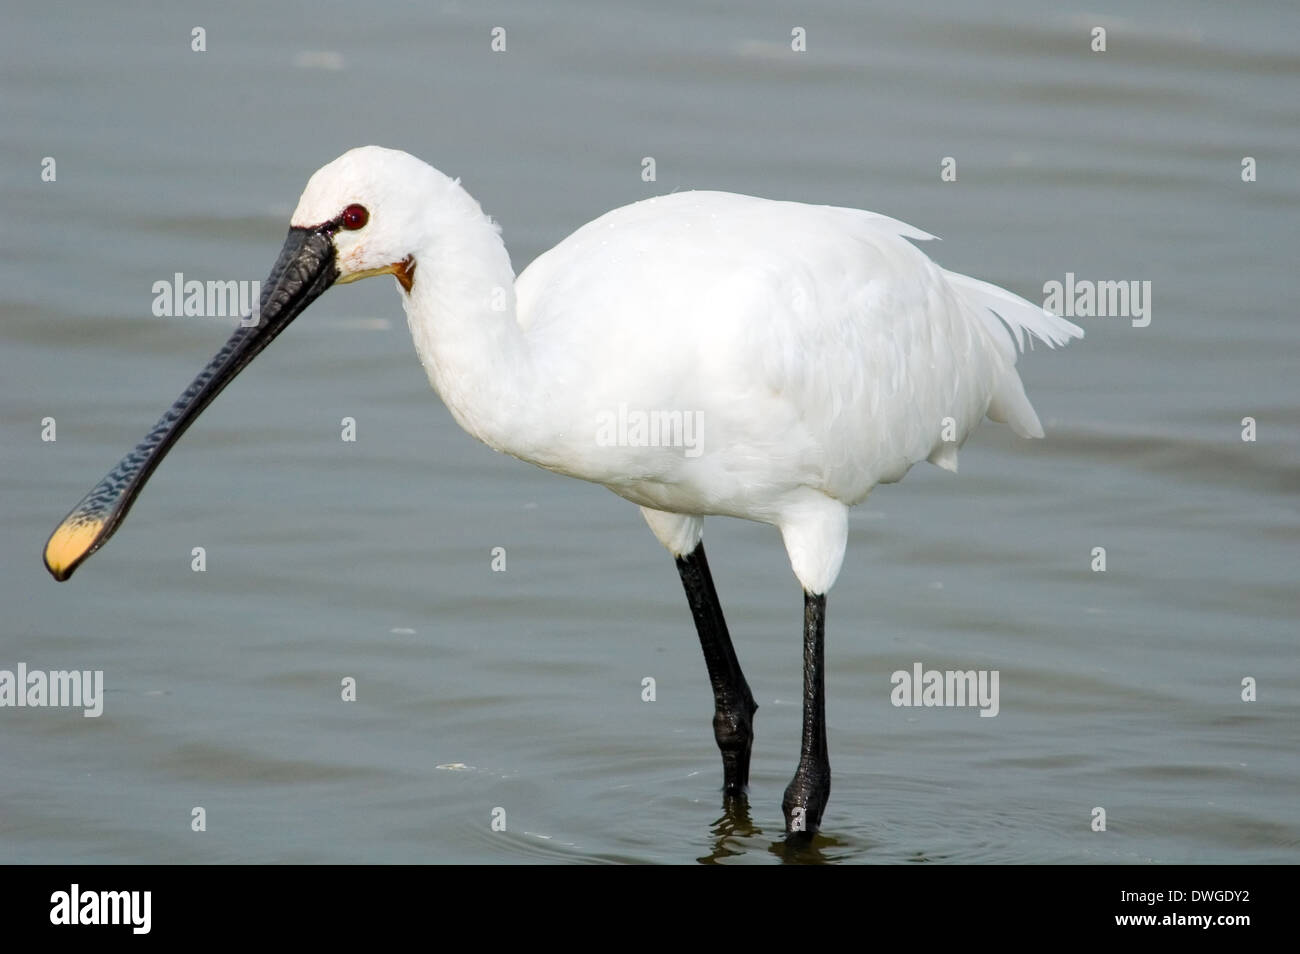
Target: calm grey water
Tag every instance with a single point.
(521, 690)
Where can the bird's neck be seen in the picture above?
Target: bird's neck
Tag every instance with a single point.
(461, 311)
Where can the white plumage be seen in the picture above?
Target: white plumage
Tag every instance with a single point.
(822, 351)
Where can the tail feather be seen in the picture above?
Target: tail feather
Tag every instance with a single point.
(1010, 405)
(1003, 312)
(1009, 317)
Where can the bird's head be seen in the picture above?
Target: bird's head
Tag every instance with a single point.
(373, 206)
(366, 213)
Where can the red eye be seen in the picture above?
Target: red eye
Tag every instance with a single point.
(355, 216)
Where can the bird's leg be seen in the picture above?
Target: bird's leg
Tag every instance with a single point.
(806, 796)
(733, 719)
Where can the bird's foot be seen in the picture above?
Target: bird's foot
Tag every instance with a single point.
(805, 798)
(733, 728)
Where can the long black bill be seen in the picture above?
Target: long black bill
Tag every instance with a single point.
(303, 271)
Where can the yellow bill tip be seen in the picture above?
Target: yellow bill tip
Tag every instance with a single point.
(69, 545)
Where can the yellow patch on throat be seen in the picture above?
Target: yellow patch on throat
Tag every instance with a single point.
(403, 271)
(69, 544)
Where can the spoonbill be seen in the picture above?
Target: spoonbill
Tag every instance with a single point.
(811, 351)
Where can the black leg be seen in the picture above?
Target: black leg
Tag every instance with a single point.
(806, 796)
(733, 720)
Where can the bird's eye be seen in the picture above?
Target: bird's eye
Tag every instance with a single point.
(355, 217)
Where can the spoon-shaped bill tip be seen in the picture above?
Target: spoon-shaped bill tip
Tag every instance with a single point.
(70, 543)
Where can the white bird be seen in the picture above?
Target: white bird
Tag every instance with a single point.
(699, 354)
